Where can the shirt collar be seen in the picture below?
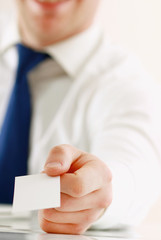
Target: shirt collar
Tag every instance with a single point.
(10, 36)
(71, 54)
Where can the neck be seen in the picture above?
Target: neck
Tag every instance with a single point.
(38, 40)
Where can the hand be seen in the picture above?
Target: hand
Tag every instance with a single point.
(86, 190)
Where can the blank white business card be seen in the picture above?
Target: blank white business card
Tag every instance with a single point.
(33, 192)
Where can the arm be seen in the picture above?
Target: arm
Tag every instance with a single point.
(127, 141)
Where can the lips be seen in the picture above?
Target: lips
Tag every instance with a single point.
(48, 7)
(49, 1)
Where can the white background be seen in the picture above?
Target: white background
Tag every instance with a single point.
(136, 24)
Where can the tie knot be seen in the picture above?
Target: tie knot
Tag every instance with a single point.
(29, 58)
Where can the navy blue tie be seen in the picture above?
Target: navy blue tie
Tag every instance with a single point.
(14, 135)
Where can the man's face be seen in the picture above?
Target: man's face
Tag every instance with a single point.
(50, 21)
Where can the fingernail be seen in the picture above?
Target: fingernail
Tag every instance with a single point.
(53, 165)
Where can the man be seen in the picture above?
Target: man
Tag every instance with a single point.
(94, 119)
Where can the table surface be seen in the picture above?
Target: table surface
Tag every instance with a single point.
(45, 236)
(24, 227)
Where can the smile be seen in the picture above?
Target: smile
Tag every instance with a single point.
(50, 4)
(50, 1)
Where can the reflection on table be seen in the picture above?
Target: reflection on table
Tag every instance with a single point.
(25, 227)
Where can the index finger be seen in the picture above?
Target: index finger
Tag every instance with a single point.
(90, 177)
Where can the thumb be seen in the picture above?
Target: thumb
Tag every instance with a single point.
(60, 159)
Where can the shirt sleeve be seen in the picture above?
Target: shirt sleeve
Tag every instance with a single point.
(125, 131)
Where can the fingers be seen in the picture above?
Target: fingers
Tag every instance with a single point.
(51, 227)
(60, 159)
(62, 220)
(86, 179)
(52, 221)
(85, 216)
(82, 170)
(97, 199)
(86, 190)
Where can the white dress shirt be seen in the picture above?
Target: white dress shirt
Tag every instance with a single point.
(96, 97)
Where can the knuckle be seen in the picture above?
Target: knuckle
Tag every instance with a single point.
(65, 202)
(47, 214)
(59, 150)
(89, 218)
(44, 225)
(65, 146)
(79, 229)
(105, 201)
(78, 187)
(107, 174)
(59, 153)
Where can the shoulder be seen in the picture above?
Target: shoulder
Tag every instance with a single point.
(7, 20)
(115, 67)
(112, 60)
(119, 82)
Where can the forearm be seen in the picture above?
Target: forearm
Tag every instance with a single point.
(134, 161)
